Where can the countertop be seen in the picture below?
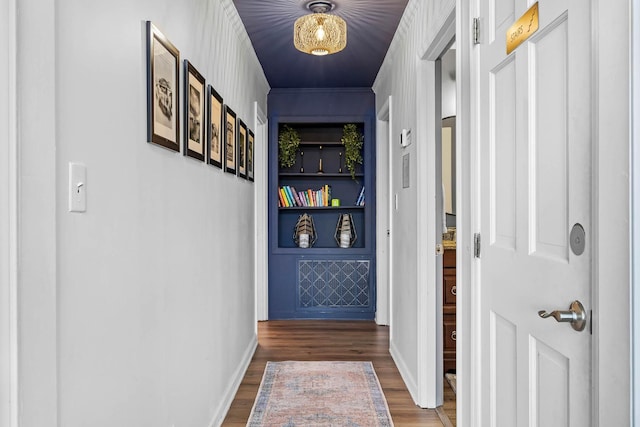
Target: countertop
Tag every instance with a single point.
(449, 244)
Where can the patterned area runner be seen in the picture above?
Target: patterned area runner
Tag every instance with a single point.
(320, 394)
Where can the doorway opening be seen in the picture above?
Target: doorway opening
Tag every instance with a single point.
(384, 214)
(446, 222)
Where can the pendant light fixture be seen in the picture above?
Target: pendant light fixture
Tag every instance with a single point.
(320, 33)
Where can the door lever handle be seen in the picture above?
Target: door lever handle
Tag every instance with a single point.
(575, 315)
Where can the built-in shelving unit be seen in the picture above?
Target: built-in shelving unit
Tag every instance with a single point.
(323, 281)
(320, 163)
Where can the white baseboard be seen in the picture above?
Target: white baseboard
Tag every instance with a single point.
(405, 373)
(232, 388)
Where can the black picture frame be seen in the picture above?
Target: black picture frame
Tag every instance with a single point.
(229, 140)
(241, 149)
(215, 118)
(163, 90)
(250, 154)
(194, 112)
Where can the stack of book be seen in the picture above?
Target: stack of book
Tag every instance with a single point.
(289, 197)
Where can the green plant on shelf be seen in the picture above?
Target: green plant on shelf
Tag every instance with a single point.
(288, 143)
(352, 140)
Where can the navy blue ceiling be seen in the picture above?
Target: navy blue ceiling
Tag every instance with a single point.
(371, 25)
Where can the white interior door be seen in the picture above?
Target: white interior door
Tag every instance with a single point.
(534, 145)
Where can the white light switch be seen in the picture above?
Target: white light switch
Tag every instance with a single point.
(77, 187)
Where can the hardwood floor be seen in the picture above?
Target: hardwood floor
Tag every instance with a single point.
(329, 340)
(447, 411)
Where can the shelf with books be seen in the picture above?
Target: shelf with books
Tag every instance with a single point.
(319, 208)
(320, 175)
(318, 179)
(324, 196)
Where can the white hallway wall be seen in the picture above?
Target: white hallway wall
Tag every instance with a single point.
(398, 77)
(139, 312)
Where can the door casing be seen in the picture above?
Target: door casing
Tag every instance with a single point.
(429, 273)
(8, 219)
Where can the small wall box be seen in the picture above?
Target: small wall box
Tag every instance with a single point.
(405, 138)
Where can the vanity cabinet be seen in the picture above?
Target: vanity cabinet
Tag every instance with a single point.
(449, 310)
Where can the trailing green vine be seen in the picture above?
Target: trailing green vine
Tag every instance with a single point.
(352, 140)
(288, 143)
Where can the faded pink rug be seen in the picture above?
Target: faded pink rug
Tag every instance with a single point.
(313, 394)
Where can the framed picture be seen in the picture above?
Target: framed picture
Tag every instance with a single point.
(163, 59)
(194, 113)
(241, 149)
(214, 125)
(230, 140)
(250, 148)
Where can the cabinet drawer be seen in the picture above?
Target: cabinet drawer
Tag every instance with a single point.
(449, 362)
(449, 258)
(449, 332)
(450, 290)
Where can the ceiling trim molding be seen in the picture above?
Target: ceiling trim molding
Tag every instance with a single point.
(285, 90)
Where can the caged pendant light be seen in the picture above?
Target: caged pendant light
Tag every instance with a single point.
(320, 33)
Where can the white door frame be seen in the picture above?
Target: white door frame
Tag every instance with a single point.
(612, 267)
(8, 220)
(430, 375)
(611, 229)
(384, 139)
(465, 152)
(635, 209)
(261, 173)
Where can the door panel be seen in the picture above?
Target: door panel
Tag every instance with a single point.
(534, 143)
(503, 16)
(548, 140)
(503, 369)
(550, 372)
(503, 223)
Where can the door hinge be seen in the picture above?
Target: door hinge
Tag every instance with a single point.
(476, 245)
(476, 30)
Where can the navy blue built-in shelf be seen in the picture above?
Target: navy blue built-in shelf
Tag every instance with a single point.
(319, 208)
(318, 175)
(324, 281)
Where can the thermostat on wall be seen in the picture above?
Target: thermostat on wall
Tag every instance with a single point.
(405, 138)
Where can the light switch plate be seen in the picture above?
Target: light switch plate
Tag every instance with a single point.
(77, 187)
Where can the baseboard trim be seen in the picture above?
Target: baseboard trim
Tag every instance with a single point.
(405, 373)
(232, 388)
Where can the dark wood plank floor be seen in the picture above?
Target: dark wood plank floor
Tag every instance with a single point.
(329, 340)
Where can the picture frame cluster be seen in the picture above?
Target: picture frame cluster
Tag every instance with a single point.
(211, 132)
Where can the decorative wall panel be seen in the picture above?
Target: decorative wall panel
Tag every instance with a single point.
(333, 283)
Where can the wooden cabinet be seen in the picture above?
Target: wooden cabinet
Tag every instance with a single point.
(449, 310)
